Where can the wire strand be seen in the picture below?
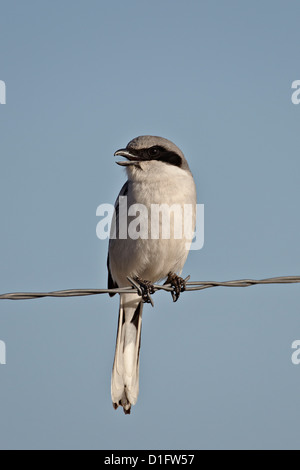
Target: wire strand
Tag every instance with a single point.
(190, 286)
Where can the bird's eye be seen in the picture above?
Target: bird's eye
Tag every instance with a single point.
(153, 151)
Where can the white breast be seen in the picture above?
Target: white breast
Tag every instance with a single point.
(152, 259)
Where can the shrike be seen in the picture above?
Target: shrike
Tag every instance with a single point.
(158, 173)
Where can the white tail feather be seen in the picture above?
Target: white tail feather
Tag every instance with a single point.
(125, 373)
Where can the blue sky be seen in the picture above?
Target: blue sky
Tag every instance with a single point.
(82, 79)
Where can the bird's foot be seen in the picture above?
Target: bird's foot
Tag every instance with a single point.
(178, 284)
(147, 289)
(144, 288)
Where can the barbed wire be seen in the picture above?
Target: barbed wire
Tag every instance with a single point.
(190, 286)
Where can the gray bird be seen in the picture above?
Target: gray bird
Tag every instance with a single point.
(158, 173)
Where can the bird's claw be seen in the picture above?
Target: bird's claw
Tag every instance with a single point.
(178, 284)
(147, 289)
(144, 288)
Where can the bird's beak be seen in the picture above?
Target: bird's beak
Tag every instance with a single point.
(131, 159)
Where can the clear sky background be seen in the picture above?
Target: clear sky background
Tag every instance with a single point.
(83, 78)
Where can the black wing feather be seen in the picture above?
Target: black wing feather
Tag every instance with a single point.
(111, 284)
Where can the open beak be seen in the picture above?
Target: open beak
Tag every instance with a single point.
(131, 159)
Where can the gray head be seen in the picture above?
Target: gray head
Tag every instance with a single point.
(148, 147)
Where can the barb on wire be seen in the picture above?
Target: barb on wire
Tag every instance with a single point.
(190, 286)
